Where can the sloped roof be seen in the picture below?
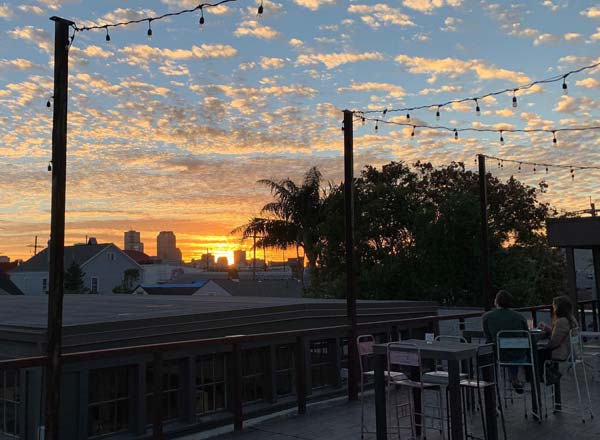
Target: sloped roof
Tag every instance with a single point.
(173, 289)
(7, 287)
(265, 288)
(139, 257)
(6, 267)
(78, 253)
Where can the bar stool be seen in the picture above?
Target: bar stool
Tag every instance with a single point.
(408, 356)
(484, 359)
(365, 355)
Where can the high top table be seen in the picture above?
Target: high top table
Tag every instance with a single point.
(453, 353)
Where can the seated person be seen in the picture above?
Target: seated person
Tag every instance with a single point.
(563, 321)
(503, 318)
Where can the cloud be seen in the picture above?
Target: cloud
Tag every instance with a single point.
(332, 60)
(596, 36)
(442, 89)
(450, 24)
(546, 39)
(379, 14)
(18, 64)
(313, 5)
(570, 36)
(92, 52)
(427, 6)
(37, 36)
(271, 63)
(454, 67)
(29, 9)
(588, 83)
(142, 54)
(295, 42)
(5, 11)
(253, 29)
(393, 90)
(592, 12)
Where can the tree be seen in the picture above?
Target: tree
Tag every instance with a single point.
(73, 281)
(292, 219)
(130, 279)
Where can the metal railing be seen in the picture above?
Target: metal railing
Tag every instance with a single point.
(236, 342)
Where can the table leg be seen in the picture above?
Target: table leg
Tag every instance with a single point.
(416, 393)
(536, 397)
(557, 397)
(380, 365)
(456, 427)
(489, 396)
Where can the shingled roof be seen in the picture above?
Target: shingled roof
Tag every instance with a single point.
(7, 287)
(79, 254)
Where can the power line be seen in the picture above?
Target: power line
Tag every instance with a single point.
(475, 99)
(552, 131)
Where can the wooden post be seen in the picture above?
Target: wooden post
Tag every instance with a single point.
(353, 371)
(485, 247)
(157, 389)
(301, 374)
(57, 226)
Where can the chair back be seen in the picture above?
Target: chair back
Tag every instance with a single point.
(485, 358)
(450, 338)
(403, 356)
(576, 345)
(514, 347)
(364, 344)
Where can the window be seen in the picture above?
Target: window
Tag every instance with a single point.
(171, 392)
(9, 403)
(253, 374)
(44, 285)
(110, 256)
(109, 400)
(285, 370)
(94, 285)
(211, 390)
(321, 363)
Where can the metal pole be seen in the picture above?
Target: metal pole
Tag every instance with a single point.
(350, 266)
(485, 247)
(57, 225)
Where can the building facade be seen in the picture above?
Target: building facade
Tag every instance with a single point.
(132, 241)
(166, 247)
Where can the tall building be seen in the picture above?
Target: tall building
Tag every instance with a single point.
(132, 241)
(166, 247)
(239, 258)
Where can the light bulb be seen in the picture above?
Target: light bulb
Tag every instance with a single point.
(149, 31)
(554, 141)
(501, 139)
(565, 89)
(107, 38)
(260, 9)
(477, 109)
(412, 134)
(455, 134)
(514, 102)
(437, 114)
(48, 104)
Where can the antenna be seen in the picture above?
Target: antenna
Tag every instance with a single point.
(34, 245)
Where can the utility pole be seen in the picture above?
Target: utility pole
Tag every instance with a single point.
(57, 226)
(485, 247)
(353, 372)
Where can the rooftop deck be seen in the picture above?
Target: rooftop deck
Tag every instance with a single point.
(340, 420)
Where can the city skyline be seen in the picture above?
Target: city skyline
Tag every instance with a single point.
(173, 133)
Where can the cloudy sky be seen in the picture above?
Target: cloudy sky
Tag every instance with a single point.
(172, 133)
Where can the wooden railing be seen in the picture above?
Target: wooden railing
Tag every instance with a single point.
(236, 342)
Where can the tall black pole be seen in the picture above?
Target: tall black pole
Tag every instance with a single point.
(353, 370)
(57, 225)
(485, 247)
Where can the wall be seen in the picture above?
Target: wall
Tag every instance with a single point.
(110, 272)
(30, 283)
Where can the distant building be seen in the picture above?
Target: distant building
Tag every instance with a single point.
(206, 261)
(104, 266)
(239, 258)
(4, 259)
(222, 263)
(132, 241)
(166, 247)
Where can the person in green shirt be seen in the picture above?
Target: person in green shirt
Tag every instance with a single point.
(503, 318)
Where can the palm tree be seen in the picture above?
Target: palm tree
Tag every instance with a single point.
(292, 219)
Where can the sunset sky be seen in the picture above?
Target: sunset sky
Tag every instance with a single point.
(172, 133)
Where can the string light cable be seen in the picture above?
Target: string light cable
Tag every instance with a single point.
(502, 131)
(476, 99)
(546, 166)
(200, 7)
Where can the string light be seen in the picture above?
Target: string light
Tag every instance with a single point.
(437, 113)
(48, 103)
(512, 90)
(407, 115)
(547, 166)
(501, 138)
(565, 89)
(376, 125)
(149, 29)
(200, 7)
(552, 131)
(477, 109)
(455, 134)
(49, 166)
(260, 8)
(412, 134)
(384, 112)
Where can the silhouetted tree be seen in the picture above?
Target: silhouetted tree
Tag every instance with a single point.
(73, 281)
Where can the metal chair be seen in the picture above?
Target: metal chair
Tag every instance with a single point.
(485, 360)
(515, 348)
(365, 355)
(408, 356)
(574, 360)
(439, 375)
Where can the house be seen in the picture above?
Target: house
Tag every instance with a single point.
(7, 287)
(225, 287)
(104, 266)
